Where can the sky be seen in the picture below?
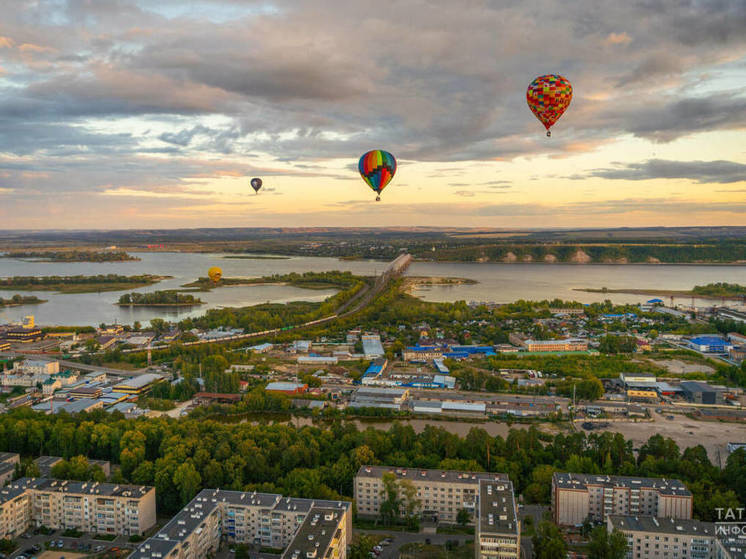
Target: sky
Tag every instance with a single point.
(119, 114)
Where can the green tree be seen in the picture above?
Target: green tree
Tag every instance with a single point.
(391, 504)
(607, 546)
(463, 517)
(548, 542)
(187, 481)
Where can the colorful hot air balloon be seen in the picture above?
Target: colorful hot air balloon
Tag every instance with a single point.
(256, 184)
(548, 97)
(215, 274)
(377, 167)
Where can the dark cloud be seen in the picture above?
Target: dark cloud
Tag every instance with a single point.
(699, 171)
(306, 81)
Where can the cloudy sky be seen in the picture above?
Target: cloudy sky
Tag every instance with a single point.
(155, 113)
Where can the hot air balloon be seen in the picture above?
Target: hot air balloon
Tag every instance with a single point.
(377, 167)
(256, 184)
(548, 97)
(215, 274)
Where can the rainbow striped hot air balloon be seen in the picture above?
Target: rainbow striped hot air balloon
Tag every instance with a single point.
(548, 97)
(377, 167)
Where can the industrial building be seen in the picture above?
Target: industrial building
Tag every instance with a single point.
(497, 533)
(651, 537)
(576, 497)
(317, 360)
(709, 344)
(100, 508)
(24, 335)
(390, 398)
(135, 386)
(731, 314)
(287, 387)
(372, 346)
(422, 354)
(569, 344)
(265, 519)
(702, 393)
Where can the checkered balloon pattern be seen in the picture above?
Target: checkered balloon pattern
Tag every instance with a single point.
(548, 97)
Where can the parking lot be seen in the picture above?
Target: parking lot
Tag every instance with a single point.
(56, 546)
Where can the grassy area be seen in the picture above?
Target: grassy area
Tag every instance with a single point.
(709, 291)
(79, 284)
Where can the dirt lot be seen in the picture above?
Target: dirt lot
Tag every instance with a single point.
(677, 366)
(60, 555)
(713, 435)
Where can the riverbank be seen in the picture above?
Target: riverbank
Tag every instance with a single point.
(18, 301)
(662, 293)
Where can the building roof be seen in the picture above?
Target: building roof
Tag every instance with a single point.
(82, 487)
(497, 510)
(206, 502)
(8, 456)
(582, 481)
(138, 382)
(315, 534)
(284, 386)
(418, 474)
(708, 340)
(696, 386)
(662, 525)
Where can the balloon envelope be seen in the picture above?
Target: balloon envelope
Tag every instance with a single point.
(377, 167)
(548, 97)
(215, 274)
(256, 184)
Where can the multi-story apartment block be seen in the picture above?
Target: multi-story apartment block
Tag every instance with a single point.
(576, 497)
(8, 461)
(498, 529)
(487, 497)
(650, 537)
(101, 508)
(441, 493)
(265, 519)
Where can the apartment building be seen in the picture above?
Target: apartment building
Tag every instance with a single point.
(8, 461)
(101, 508)
(576, 497)
(266, 519)
(498, 533)
(650, 537)
(15, 511)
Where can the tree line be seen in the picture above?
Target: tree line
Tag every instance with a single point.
(180, 457)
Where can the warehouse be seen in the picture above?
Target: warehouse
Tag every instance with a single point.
(702, 393)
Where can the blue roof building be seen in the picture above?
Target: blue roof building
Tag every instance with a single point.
(709, 344)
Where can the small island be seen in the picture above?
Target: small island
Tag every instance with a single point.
(257, 257)
(719, 290)
(159, 299)
(18, 300)
(307, 280)
(73, 255)
(79, 284)
(413, 282)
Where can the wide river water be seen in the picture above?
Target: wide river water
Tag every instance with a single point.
(496, 282)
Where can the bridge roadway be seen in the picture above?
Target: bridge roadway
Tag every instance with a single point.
(363, 298)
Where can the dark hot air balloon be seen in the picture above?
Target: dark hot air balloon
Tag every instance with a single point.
(256, 184)
(548, 97)
(377, 167)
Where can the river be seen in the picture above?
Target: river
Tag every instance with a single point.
(497, 282)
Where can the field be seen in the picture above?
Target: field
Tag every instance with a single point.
(713, 435)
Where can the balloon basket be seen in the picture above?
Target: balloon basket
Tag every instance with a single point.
(549, 133)
(378, 198)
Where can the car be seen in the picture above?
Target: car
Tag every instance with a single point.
(377, 549)
(669, 417)
(387, 541)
